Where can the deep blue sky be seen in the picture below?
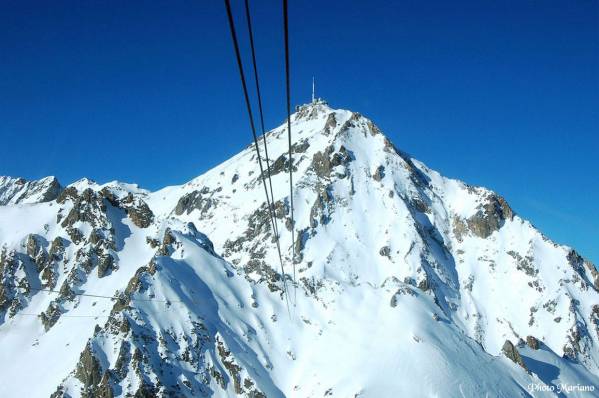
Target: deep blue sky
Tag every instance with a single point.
(503, 94)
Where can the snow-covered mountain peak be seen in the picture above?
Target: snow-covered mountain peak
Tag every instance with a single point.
(117, 188)
(179, 292)
(312, 110)
(18, 190)
(368, 213)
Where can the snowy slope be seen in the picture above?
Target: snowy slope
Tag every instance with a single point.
(407, 283)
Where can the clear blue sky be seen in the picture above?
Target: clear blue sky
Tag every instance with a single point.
(503, 94)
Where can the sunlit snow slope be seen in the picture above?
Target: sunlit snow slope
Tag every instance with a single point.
(407, 283)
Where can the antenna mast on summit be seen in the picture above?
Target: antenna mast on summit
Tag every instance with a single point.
(313, 97)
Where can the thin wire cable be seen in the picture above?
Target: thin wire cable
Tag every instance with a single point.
(253, 128)
(99, 295)
(257, 80)
(286, 28)
(94, 296)
(68, 316)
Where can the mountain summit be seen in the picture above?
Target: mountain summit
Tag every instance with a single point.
(407, 283)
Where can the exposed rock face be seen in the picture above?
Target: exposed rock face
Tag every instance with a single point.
(52, 189)
(594, 273)
(300, 147)
(330, 124)
(281, 164)
(323, 163)
(385, 251)
(197, 200)
(460, 228)
(595, 318)
(322, 208)
(402, 291)
(68, 193)
(89, 371)
(106, 264)
(379, 173)
(32, 246)
(490, 217)
(88, 207)
(138, 211)
(533, 342)
(10, 300)
(511, 352)
(585, 269)
(52, 313)
(524, 263)
(167, 241)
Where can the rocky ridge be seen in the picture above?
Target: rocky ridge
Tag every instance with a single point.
(18, 190)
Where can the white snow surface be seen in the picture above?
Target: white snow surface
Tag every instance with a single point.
(407, 283)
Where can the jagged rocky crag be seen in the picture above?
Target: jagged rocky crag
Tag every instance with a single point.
(19, 190)
(407, 283)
